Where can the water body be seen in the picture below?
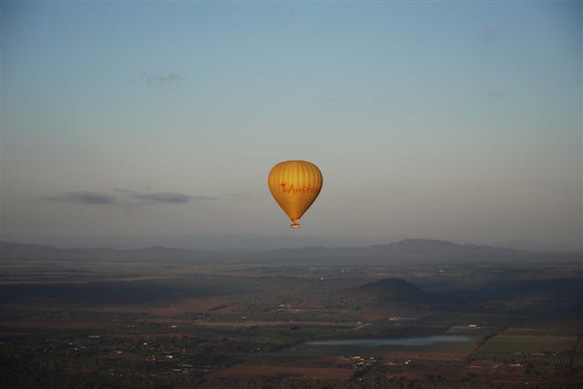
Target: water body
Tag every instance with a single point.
(420, 341)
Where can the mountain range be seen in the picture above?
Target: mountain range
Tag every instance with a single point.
(410, 251)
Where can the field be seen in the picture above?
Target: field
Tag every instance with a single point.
(293, 372)
(546, 349)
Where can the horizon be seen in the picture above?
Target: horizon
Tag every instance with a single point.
(283, 244)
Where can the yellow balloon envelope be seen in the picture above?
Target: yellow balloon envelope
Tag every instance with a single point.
(295, 185)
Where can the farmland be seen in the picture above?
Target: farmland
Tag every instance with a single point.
(281, 326)
(547, 349)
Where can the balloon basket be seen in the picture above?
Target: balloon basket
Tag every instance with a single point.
(294, 226)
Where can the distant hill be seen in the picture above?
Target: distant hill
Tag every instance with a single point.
(414, 251)
(22, 251)
(409, 251)
(389, 290)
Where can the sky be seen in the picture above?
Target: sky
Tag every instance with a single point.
(150, 121)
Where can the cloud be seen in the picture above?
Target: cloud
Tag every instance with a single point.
(151, 78)
(495, 93)
(127, 198)
(168, 197)
(84, 198)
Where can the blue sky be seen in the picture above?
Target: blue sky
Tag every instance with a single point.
(447, 120)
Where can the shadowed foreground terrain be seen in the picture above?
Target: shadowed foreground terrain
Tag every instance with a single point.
(417, 314)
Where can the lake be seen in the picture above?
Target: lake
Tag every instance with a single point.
(412, 342)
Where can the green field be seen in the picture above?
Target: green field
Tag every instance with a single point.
(547, 349)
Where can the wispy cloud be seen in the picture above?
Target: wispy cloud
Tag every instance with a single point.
(168, 197)
(495, 93)
(127, 197)
(152, 78)
(83, 198)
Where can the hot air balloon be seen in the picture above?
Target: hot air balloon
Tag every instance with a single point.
(295, 185)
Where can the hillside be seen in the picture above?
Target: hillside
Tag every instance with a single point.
(392, 291)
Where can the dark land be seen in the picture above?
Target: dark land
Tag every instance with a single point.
(169, 318)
